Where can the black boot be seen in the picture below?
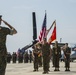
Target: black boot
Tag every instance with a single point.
(66, 69)
(44, 72)
(55, 69)
(58, 69)
(34, 70)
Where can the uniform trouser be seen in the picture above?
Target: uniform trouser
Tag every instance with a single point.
(40, 60)
(53, 62)
(45, 64)
(2, 65)
(56, 61)
(14, 60)
(36, 63)
(67, 62)
(30, 60)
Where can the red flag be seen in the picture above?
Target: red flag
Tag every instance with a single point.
(47, 31)
(43, 30)
(53, 36)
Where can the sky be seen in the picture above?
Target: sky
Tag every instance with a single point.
(18, 13)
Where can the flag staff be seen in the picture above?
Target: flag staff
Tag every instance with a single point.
(60, 40)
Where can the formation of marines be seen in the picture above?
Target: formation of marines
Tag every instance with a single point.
(48, 53)
(21, 58)
(41, 55)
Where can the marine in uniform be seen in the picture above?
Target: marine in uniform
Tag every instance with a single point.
(53, 58)
(40, 59)
(30, 56)
(56, 56)
(4, 31)
(46, 54)
(26, 57)
(20, 58)
(40, 54)
(35, 57)
(9, 57)
(67, 52)
(14, 57)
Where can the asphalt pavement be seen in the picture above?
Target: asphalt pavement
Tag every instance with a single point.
(27, 69)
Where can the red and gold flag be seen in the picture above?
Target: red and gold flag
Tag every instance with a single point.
(53, 36)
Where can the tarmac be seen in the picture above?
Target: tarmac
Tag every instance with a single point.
(27, 69)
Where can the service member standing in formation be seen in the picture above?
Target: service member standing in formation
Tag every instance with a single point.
(53, 58)
(9, 57)
(4, 31)
(57, 55)
(35, 57)
(14, 57)
(67, 52)
(40, 55)
(30, 56)
(46, 54)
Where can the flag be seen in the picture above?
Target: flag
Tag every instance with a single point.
(53, 36)
(43, 30)
(18, 51)
(47, 31)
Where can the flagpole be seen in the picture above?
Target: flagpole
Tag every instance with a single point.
(46, 20)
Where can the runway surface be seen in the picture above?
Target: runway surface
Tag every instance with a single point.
(27, 69)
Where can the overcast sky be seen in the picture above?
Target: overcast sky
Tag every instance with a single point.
(18, 13)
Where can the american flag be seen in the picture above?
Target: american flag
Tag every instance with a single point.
(43, 30)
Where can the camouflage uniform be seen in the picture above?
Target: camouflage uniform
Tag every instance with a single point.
(53, 58)
(9, 57)
(26, 57)
(67, 59)
(40, 59)
(35, 53)
(14, 57)
(30, 56)
(56, 57)
(46, 58)
(3, 51)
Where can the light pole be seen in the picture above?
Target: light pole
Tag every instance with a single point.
(60, 40)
